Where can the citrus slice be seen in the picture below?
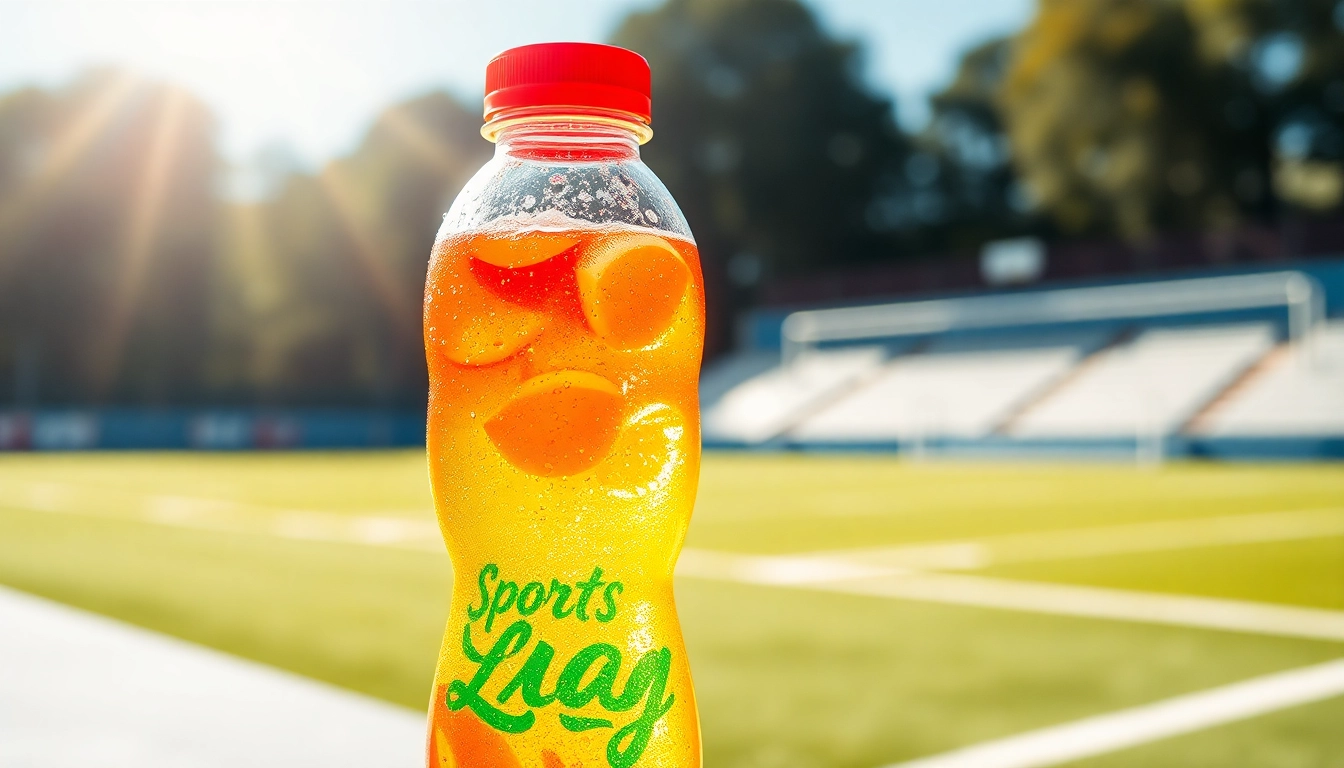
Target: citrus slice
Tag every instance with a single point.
(651, 451)
(630, 288)
(469, 325)
(461, 740)
(558, 423)
(521, 250)
(482, 339)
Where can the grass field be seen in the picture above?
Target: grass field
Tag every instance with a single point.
(328, 564)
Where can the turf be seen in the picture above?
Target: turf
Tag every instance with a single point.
(1308, 573)
(765, 503)
(785, 678)
(1307, 737)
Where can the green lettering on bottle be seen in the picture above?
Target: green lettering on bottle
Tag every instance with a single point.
(599, 664)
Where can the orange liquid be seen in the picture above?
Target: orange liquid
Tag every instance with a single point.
(564, 448)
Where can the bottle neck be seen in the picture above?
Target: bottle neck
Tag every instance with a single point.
(567, 137)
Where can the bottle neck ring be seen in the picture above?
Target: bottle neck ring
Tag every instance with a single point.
(575, 124)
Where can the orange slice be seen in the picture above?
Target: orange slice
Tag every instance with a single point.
(470, 743)
(630, 288)
(482, 339)
(651, 452)
(468, 324)
(558, 423)
(440, 751)
(521, 250)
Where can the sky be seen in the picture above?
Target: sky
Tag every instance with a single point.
(310, 76)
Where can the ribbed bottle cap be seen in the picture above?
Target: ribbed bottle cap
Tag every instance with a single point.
(581, 76)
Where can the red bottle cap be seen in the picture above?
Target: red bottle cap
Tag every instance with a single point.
(581, 76)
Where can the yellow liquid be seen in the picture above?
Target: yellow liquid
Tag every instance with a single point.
(564, 449)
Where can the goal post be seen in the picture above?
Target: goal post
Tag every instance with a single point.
(1297, 292)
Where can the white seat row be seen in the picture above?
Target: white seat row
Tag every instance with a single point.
(765, 405)
(1296, 394)
(1152, 385)
(1211, 380)
(958, 386)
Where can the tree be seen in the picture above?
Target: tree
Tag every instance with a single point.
(328, 277)
(967, 138)
(1289, 59)
(768, 139)
(107, 226)
(1133, 117)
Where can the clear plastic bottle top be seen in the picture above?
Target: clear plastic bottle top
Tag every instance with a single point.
(568, 120)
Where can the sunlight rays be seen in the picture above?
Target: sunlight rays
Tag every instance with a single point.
(142, 232)
(251, 254)
(372, 258)
(420, 140)
(65, 150)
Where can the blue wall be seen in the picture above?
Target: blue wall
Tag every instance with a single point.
(209, 429)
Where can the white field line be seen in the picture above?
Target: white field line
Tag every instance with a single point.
(838, 575)
(415, 529)
(839, 572)
(1157, 536)
(1147, 723)
(410, 529)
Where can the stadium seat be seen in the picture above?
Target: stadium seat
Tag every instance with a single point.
(1292, 394)
(1152, 385)
(959, 386)
(763, 406)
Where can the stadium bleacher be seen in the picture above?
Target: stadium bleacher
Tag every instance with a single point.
(763, 406)
(1153, 384)
(1294, 392)
(962, 386)
(1267, 382)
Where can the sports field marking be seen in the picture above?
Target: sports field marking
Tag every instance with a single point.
(416, 529)
(1078, 543)
(837, 571)
(1147, 723)
(1101, 603)
(839, 575)
(413, 529)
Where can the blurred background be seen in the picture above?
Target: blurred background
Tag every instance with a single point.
(1023, 387)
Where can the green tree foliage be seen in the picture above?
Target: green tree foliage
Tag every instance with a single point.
(107, 226)
(966, 137)
(1292, 54)
(325, 280)
(1132, 117)
(766, 136)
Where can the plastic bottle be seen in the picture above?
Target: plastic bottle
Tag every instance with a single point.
(564, 325)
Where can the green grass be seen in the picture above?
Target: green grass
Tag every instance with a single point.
(1309, 572)
(785, 678)
(1295, 738)
(797, 503)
